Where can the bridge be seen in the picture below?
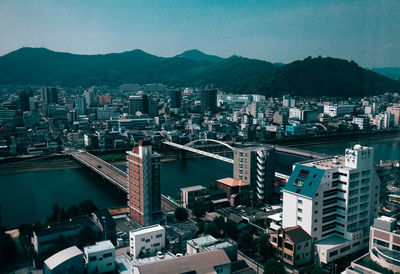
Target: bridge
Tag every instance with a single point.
(113, 174)
(104, 169)
(188, 147)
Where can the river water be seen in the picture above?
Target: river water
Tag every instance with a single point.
(29, 197)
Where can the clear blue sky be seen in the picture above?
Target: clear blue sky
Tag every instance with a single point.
(366, 31)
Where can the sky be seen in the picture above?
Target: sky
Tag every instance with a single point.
(366, 31)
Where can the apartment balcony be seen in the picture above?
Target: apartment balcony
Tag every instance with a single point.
(261, 173)
(260, 191)
(260, 166)
(261, 160)
(259, 196)
(260, 185)
(260, 179)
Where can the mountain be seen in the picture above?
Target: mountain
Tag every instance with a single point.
(197, 55)
(391, 72)
(311, 76)
(327, 77)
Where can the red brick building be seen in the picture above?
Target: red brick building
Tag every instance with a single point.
(144, 193)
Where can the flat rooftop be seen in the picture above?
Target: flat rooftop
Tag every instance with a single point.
(148, 229)
(232, 182)
(331, 242)
(203, 241)
(193, 188)
(99, 246)
(326, 163)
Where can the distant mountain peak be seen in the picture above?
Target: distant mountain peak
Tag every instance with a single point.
(197, 55)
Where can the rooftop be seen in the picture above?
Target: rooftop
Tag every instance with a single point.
(297, 234)
(331, 242)
(99, 246)
(62, 256)
(327, 163)
(193, 188)
(304, 180)
(232, 182)
(203, 241)
(203, 262)
(148, 229)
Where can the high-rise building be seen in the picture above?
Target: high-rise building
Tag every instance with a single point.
(209, 100)
(256, 166)
(335, 200)
(176, 98)
(80, 105)
(144, 194)
(138, 103)
(90, 97)
(23, 99)
(49, 95)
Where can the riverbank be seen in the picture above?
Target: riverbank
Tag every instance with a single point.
(336, 138)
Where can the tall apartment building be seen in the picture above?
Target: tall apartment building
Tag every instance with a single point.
(334, 200)
(23, 99)
(176, 98)
(144, 194)
(138, 103)
(256, 166)
(49, 95)
(209, 100)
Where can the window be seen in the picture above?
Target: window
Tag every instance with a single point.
(299, 218)
(92, 258)
(142, 239)
(381, 243)
(109, 264)
(274, 239)
(158, 235)
(333, 253)
(156, 244)
(287, 256)
(316, 212)
(306, 244)
(344, 249)
(299, 210)
(288, 246)
(147, 240)
(107, 255)
(396, 247)
(300, 202)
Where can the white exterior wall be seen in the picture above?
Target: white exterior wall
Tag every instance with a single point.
(151, 239)
(102, 263)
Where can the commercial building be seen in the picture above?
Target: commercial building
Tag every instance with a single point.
(209, 100)
(338, 110)
(146, 241)
(69, 260)
(176, 98)
(138, 103)
(23, 99)
(144, 194)
(100, 257)
(49, 95)
(292, 245)
(256, 166)
(215, 261)
(335, 201)
(384, 248)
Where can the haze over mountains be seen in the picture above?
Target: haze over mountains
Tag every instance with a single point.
(309, 77)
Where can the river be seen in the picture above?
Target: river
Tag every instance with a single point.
(29, 197)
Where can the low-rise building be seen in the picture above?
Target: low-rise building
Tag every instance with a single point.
(189, 195)
(100, 257)
(215, 261)
(105, 224)
(69, 260)
(236, 191)
(293, 245)
(147, 240)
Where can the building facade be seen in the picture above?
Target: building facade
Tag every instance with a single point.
(144, 194)
(334, 200)
(209, 100)
(256, 166)
(146, 241)
(100, 257)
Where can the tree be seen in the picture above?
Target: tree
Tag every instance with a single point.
(87, 207)
(198, 209)
(220, 222)
(230, 229)
(201, 226)
(213, 185)
(73, 211)
(181, 214)
(86, 237)
(212, 229)
(54, 217)
(318, 270)
(245, 240)
(274, 267)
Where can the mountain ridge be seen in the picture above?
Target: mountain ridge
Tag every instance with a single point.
(324, 76)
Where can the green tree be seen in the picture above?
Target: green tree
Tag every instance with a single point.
(181, 214)
(201, 225)
(54, 217)
(220, 222)
(230, 229)
(73, 211)
(318, 270)
(213, 185)
(212, 230)
(199, 209)
(274, 267)
(245, 240)
(87, 207)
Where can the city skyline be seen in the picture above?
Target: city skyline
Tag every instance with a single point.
(363, 31)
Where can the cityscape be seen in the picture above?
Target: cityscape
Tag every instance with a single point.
(135, 163)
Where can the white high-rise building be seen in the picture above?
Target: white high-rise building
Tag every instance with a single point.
(335, 200)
